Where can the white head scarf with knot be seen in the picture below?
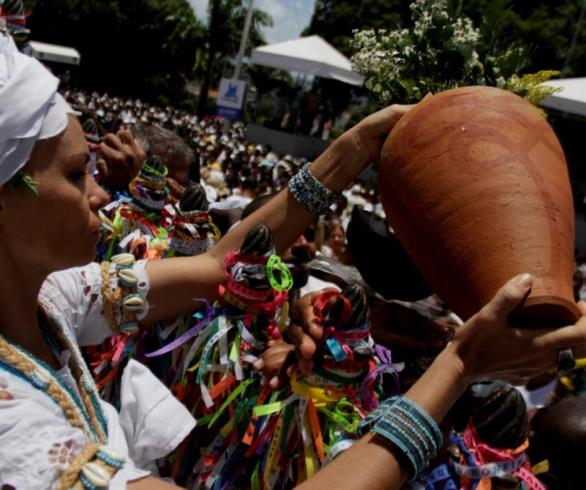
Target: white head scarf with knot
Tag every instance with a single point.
(30, 107)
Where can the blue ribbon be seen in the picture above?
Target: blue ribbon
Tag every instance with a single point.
(336, 349)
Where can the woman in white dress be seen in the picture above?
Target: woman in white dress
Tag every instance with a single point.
(55, 432)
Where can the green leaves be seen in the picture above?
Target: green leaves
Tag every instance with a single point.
(127, 47)
(443, 49)
(532, 87)
(437, 51)
(374, 86)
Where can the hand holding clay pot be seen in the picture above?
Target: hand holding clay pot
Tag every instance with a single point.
(475, 185)
(370, 133)
(490, 346)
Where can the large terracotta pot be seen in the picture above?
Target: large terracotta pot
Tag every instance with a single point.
(475, 185)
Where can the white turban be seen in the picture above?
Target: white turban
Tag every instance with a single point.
(30, 107)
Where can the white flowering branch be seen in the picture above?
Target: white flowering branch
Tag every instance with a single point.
(441, 49)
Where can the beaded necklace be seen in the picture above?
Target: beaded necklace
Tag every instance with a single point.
(82, 411)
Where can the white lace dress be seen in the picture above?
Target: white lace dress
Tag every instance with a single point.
(37, 444)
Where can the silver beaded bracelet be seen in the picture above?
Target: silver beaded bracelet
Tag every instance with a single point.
(310, 192)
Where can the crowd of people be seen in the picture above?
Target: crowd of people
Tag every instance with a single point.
(232, 170)
(186, 305)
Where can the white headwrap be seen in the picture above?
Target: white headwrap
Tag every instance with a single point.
(30, 107)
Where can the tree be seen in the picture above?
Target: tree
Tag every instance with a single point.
(266, 80)
(223, 39)
(335, 20)
(142, 48)
(443, 49)
(547, 26)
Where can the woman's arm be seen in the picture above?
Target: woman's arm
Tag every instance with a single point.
(485, 347)
(175, 282)
(371, 466)
(151, 483)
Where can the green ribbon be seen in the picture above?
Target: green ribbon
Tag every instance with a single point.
(286, 279)
(269, 408)
(254, 481)
(344, 414)
(235, 349)
(117, 230)
(241, 387)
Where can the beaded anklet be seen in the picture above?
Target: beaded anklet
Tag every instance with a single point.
(310, 192)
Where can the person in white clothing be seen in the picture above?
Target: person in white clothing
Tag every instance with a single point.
(55, 432)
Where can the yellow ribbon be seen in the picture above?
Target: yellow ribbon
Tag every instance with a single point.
(319, 396)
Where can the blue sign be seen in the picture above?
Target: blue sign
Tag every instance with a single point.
(230, 98)
(227, 113)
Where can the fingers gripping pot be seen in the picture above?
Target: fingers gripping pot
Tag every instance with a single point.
(475, 185)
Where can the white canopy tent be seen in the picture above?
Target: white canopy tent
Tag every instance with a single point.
(310, 55)
(572, 97)
(54, 53)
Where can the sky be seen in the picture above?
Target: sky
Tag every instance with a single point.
(290, 17)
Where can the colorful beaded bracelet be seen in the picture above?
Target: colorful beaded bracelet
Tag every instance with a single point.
(310, 192)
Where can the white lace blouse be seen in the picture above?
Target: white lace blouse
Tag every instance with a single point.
(37, 443)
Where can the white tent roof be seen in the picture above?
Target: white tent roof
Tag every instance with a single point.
(54, 52)
(572, 97)
(310, 55)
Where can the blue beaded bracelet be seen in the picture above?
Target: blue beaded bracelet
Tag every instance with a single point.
(429, 430)
(407, 427)
(373, 417)
(310, 192)
(392, 431)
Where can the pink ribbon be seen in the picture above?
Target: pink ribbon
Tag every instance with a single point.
(120, 341)
(484, 453)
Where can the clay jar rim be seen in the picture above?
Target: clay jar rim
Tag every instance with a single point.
(546, 312)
